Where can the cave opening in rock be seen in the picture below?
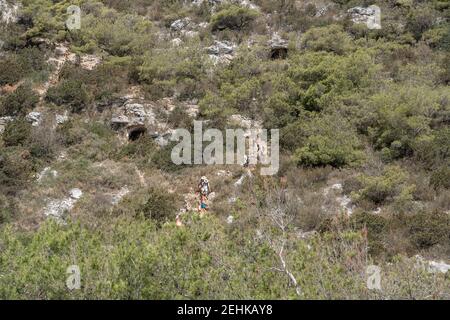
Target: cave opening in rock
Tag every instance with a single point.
(278, 53)
(136, 132)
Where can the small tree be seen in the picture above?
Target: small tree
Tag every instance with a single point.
(234, 18)
(159, 206)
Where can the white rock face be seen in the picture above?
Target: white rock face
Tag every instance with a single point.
(76, 193)
(346, 204)
(221, 52)
(8, 12)
(180, 24)
(61, 118)
(119, 195)
(131, 113)
(46, 172)
(57, 208)
(221, 47)
(134, 112)
(90, 61)
(438, 267)
(432, 266)
(377, 211)
(232, 200)
(35, 118)
(370, 16)
(337, 187)
(276, 42)
(323, 10)
(176, 42)
(244, 122)
(344, 201)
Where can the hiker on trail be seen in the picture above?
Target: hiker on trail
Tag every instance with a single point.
(203, 186)
(203, 204)
(204, 191)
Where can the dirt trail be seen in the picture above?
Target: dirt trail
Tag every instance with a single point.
(61, 56)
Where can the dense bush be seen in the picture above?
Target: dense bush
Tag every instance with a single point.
(233, 17)
(376, 227)
(118, 34)
(420, 20)
(179, 71)
(404, 118)
(19, 102)
(143, 149)
(331, 39)
(440, 178)
(17, 133)
(159, 206)
(327, 140)
(16, 169)
(391, 185)
(135, 260)
(429, 228)
(72, 93)
(6, 210)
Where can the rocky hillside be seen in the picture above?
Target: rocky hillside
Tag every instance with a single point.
(359, 91)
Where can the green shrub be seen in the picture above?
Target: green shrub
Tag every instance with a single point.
(19, 102)
(16, 169)
(327, 140)
(434, 149)
(331, 39)
(404, 116)
(438, 37)
(143, 149)
(162, 159)
(233, 17)
(117, 33)
(25, 62)
(11, 70)
(440, 178)
(6, 210)
(420, 20)
(159, 206)
(72, 93)
(376, 227)
(69, 133)
(181, 70)
(391, 185)
(429, 228)
(17, 133)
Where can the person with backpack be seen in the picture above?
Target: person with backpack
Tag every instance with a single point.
(204, 191)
